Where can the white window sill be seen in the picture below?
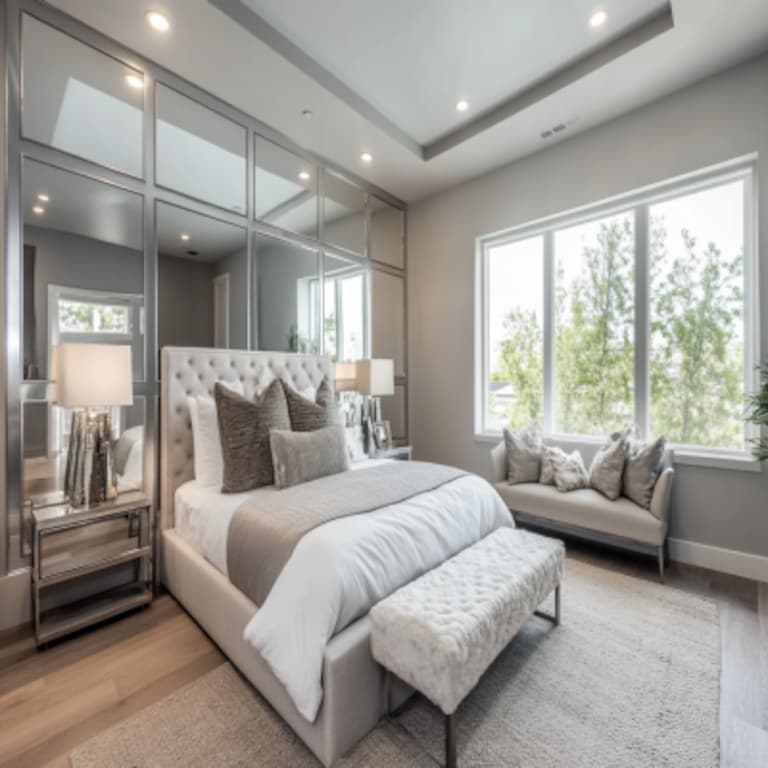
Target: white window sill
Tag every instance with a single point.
(740, 462)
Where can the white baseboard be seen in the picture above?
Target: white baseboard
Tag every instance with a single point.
(719, 559)
(16, 599)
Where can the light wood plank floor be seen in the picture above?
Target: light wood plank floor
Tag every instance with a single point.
(53, 700)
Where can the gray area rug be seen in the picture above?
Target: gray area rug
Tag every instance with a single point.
(630, 680)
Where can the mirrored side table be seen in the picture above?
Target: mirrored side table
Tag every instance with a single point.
(399, 453)
(89, 564)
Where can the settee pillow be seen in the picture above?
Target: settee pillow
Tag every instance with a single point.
(607, 469)
(550, 455)
(523, 455)
(299, 457)
(642, 469)
(244, 427)
(570, 473)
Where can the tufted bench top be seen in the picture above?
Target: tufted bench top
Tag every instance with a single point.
(442, 631)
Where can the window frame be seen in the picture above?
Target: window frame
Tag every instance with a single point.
(637, 203)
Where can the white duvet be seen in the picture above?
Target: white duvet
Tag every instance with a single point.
(339, 570)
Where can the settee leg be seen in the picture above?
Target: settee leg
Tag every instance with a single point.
(450, 741)
(660, 551)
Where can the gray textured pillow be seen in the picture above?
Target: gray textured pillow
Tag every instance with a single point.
(307, 416)
(642, 469)
(607, 469)
(550, 455)
(299, 457)
(570, 473)
(523, 455)
(244, 427)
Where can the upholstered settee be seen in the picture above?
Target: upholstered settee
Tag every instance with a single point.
(588, 514)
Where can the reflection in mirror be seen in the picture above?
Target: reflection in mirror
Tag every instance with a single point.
(393, 411)
(344, 316)
(199, 152)
(387, 233)
(343, 214)
(286, 189)
(45, 440)
(202, 281)
(286, 295)
(388, 318)
(83, 266)
(79, 100)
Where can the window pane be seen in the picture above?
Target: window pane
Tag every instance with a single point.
(200, 152)
(79, 100)
(515, 353)
(87, 317)
(353, 321)
(594, 326)
(697, 317)
(286, 189)
(343, 309)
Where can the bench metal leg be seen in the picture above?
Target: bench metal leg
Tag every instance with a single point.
(660, 554)
(450, 741)
(555, 619)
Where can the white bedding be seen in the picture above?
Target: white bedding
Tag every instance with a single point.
(339, 570)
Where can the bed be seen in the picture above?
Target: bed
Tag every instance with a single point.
(193, 522)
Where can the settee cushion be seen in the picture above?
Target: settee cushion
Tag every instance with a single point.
(585, 508)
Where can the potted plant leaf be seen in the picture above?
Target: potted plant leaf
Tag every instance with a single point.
(757, 413)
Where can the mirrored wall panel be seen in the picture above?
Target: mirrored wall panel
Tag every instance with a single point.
(344, 308)
(200, 152)
(394, 411)
(202, 281)
(285, 189)
(387, 233)
(83, 266)
(388, 318)
(343, 214)
(79, 100)
(286, 295)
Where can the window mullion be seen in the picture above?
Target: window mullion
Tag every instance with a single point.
(642, 323)
(549, 332)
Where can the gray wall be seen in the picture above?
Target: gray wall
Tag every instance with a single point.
(716, 120)
(236, 264)
(184, 302)
(74, 261)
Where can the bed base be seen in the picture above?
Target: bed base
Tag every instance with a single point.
(354, 691)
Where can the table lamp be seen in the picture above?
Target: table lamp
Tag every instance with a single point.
(374, 379)
(90, 379)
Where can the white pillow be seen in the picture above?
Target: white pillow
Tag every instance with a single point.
(209, 462)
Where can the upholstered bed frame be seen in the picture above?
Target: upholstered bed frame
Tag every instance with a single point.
(354, 693)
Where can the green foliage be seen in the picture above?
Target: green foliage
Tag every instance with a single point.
(299, 343)
(757, 413)
(696, 346)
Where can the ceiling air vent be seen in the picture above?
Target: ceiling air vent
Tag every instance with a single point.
(559, 128)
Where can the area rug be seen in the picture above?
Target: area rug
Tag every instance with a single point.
(629, 680)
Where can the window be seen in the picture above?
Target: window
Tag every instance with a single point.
(88, 317)
(343, 309)
(634, 313)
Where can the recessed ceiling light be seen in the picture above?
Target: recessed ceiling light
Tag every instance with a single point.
(598, 18)
(462, 106)
(306, 113)
(158, 21)
(135, 81)
(185, 237)
(38, 209)
(43, 198)
(304, 175)
(366, 157)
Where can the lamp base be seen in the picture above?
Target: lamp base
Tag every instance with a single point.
(89, 478)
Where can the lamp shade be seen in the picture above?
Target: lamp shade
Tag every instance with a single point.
(376, 377)
(345, 376)
(92, 375)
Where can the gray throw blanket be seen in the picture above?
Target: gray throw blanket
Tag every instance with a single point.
(265, 529)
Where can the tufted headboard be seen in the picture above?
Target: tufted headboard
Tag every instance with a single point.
(192, 371)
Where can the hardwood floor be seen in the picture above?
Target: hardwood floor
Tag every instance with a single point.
(53, 700)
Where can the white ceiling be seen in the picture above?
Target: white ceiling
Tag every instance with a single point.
(209, 239)
(399, 60)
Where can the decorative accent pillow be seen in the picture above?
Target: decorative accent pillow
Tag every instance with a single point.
(523, 455)
(550, 455)
(642, 470)
(208, 461)
(299, 457)
(308, 415)
(244, 427)
(570, 473)
(607, 469)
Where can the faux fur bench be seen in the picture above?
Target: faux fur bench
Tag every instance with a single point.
(441, 632)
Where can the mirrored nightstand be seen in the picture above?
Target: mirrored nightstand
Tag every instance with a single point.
(399, 453)
(89, 564)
